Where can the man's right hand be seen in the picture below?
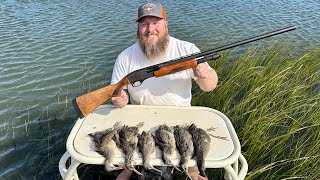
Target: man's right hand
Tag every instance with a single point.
(120, 101)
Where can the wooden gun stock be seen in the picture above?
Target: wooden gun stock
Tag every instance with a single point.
(86, 103)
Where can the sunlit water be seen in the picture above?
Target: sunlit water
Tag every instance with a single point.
(54, 51)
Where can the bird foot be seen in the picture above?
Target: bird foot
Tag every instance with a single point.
(132, 168)
(155, 169)
(188, 175)
(117, 168)
(185, 169)
(219, 137)
(211, 129)
(175, 167)
(140, 124)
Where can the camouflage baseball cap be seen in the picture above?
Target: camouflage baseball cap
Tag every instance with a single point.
(151, 9)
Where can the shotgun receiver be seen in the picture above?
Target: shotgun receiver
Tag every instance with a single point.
(86, 103)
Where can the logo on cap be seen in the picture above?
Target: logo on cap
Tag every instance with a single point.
(149, 7)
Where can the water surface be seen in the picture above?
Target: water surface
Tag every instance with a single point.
(54, 51)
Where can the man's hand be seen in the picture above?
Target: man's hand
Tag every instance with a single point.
(201, 71)
(207, 77)
(120, 101)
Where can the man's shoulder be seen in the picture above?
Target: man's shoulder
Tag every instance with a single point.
(180, 42)
(131, 50)
(183, 47)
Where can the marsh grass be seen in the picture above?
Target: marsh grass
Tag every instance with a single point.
(271, 95)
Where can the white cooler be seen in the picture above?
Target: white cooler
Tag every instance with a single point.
(222, 154)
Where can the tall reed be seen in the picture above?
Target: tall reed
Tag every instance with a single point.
(271, 95)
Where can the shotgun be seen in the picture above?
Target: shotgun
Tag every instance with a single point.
(86, 103)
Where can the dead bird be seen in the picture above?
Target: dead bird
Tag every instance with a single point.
(201, 142)
(166, 142)
(127, 139)
(146, 145)
(184, 146)
(105, 145)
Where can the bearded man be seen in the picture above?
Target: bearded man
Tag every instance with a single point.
(154, 46)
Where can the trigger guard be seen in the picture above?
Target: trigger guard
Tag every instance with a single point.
(136, 84)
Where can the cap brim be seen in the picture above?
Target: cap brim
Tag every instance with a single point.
(154, 15)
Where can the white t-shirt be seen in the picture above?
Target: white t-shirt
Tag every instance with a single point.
(172, 89)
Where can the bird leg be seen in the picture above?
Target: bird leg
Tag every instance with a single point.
(211, 129)
(167, 160)
(140, 124)
(128, 164)
(219, 137)
(185, 169)
(149, 166)
(132, 168)
(111, 167)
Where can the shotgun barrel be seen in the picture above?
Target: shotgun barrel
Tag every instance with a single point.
(235, 44)
(86, 103)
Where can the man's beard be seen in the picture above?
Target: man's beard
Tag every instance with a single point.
(154, 51)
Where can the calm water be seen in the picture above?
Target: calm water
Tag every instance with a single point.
(53, 51)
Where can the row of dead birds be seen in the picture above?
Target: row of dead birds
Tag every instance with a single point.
(189, 140)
